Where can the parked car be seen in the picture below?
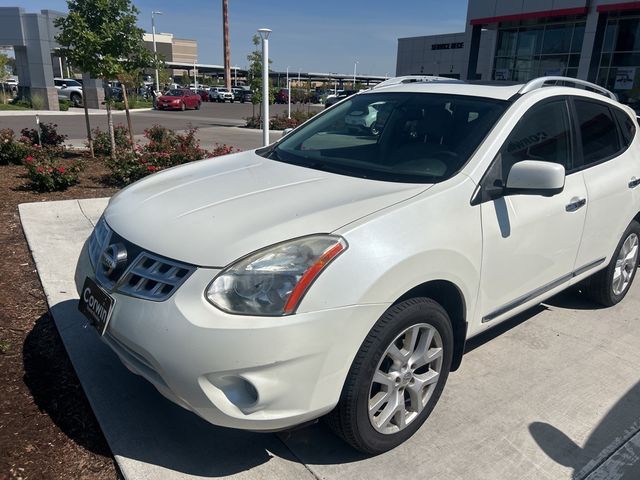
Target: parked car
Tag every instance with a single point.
(282, 96)
(340, 274)
(69, 89)
(204, 94)
(220, 94)
(178, 99)
(331, 100)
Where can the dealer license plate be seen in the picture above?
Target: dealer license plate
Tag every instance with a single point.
(96, 304)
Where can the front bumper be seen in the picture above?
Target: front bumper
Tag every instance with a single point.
(255, 373)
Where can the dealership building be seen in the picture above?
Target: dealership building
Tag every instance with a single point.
(517, 40)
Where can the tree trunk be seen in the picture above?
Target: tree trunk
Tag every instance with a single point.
(86, 118)
(111, 133)
(126, 109)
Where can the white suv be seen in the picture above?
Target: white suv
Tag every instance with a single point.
(340, 272)
(219, 94)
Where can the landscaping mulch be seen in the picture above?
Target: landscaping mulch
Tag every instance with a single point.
(47, 428)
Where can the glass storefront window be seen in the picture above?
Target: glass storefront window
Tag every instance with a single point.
(628, 38)
(532, 48)
(557, 39)
(529, 42)
(506, 43)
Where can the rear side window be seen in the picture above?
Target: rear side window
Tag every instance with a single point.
(627, 127)
(598, 130)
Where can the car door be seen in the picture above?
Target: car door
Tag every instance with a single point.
(530, 242)
(611, 167)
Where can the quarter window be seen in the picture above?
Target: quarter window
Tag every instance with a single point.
(598, 131)
(541, 134)
(627, 127)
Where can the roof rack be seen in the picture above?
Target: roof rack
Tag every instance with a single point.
(540, 82)
(416, 79)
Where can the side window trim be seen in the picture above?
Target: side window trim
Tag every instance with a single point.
(479, 197)
(579, 150)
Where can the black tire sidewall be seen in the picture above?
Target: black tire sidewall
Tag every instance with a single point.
(399, 318)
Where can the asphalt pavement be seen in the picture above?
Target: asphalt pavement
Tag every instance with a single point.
(210, 115)
(552, 394)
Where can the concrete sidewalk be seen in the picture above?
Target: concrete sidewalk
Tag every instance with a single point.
(553, 394)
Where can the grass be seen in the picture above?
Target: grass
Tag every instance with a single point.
(9, 106)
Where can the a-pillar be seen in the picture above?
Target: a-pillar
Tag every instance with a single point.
(93, 91)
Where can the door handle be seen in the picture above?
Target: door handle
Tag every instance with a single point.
(634, 182)
(576, 203)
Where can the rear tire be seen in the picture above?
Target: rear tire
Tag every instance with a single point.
(609, 286)
(396, 378)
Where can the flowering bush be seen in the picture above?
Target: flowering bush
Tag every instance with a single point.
(47, 173)
(164, 149)
(49, 135)
(280, 122)
(102, 142)
(12, 150)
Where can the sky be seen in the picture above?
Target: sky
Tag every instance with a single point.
(319, 36)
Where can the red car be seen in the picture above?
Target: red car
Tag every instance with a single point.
(178, 99)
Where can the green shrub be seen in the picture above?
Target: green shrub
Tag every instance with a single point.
(49, 135)
(164, 149)
(64, 105)
(280, 122)
(102, 141)
(46, 171)
(12, 150)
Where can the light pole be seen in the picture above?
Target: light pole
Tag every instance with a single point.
(355, 65)
(155, 53)
(264, 34)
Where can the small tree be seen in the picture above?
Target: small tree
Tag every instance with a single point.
(95, 36)
(4, 62)
(254, 75)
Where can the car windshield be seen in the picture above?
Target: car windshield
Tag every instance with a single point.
(174, 93)
(398, 137)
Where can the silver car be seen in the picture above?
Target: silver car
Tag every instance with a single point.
(69, 89)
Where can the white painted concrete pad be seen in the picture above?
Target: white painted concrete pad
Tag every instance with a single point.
(553, 394)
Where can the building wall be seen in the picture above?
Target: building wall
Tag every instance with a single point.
(445, 55)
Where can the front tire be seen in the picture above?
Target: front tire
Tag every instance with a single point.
(76, 99)
(396, 378)
(609, 286)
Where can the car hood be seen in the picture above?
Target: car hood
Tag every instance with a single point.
(211, 212)
(166, 97)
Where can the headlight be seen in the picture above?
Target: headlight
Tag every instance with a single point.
(98, 240)
(274, 280)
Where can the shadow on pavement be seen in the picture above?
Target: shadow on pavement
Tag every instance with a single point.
(620, 423)
(138, 422)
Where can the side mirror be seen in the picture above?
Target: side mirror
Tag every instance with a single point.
(287, 131)
(64, 85)
(535, 177)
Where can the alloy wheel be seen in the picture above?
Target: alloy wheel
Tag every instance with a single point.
(625, 264)
(405, 378)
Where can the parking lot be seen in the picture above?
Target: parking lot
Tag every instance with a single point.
(210, 115)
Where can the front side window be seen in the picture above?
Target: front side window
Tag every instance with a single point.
(598, 131)
(398, 137)
(541, 134)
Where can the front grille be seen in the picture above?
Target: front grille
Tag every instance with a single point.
(142, 275)
(152, 277)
